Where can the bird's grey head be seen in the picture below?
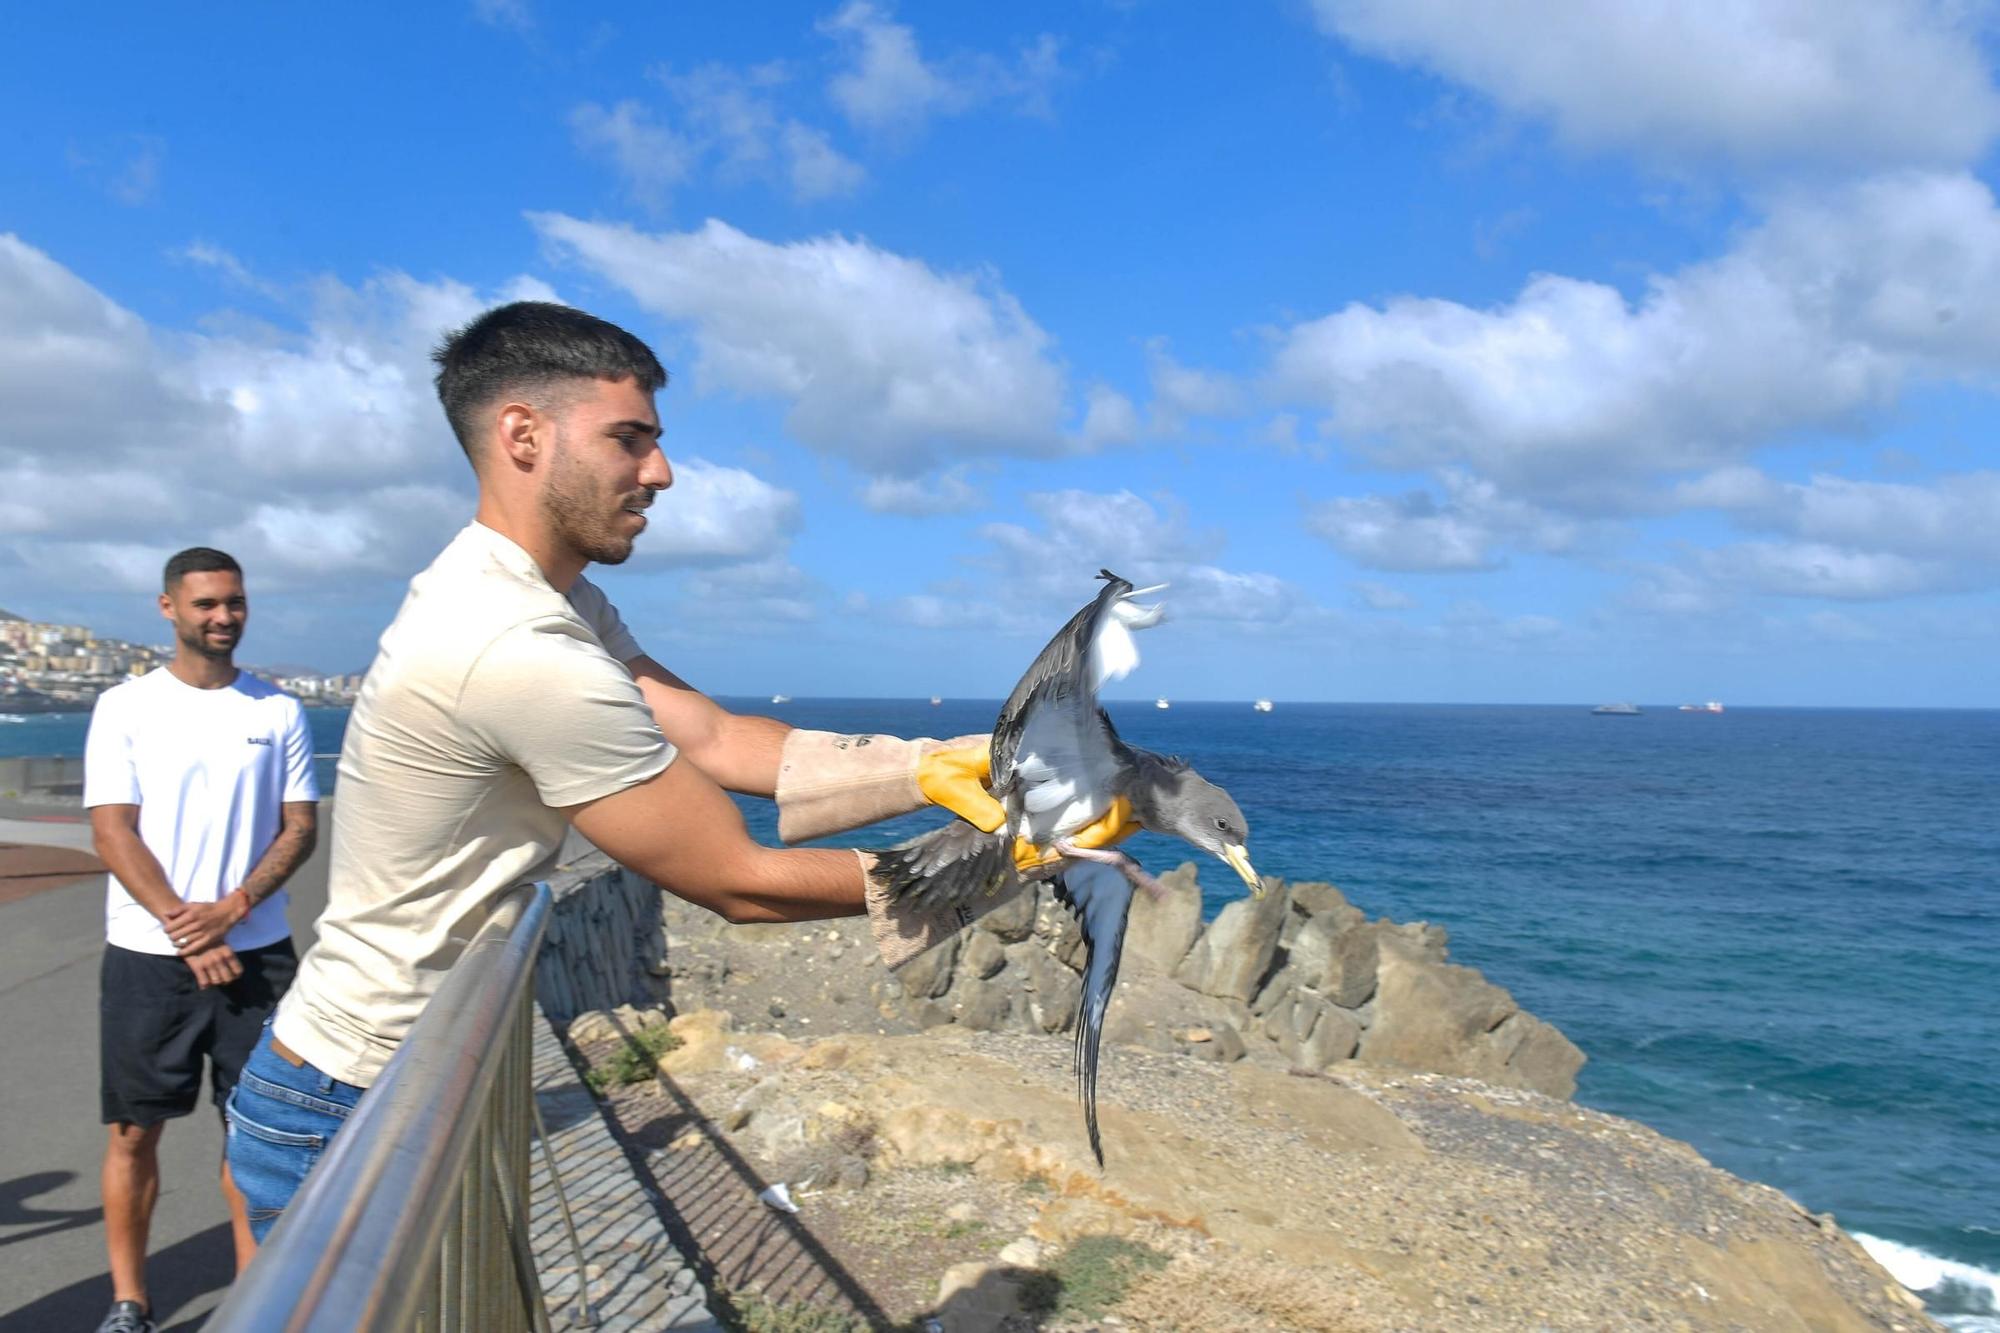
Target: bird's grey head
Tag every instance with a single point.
(1207, 816)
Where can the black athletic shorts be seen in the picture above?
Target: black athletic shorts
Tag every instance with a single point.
(155, 1025)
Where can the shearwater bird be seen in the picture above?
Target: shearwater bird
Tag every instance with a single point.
(1058, 767)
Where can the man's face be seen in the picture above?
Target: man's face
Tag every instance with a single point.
(209, 611)
(604, 469)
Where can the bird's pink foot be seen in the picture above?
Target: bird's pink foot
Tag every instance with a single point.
(1132, 870)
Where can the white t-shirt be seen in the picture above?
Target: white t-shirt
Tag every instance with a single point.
(209, 771)
(493, 701)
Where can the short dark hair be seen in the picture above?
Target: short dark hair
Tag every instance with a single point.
(198, 560)
(527, 346)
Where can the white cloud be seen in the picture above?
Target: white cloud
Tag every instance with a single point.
(884, 361)
(718, 513)
(651, 158)
(319, 458)
(730, 116)
(770, 594)
(1038, 570)
(949, 493)
(1469, 528)
(1180, 391)
(1571, 393)
(888, 87)
(513, 14)
(1814, 569)
(816, 169)
(1769, 83)
(888, 84)
(1109, 417)
(1949, 519)
(1380, 596)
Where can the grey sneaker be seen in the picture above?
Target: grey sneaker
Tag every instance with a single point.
(128, 1317)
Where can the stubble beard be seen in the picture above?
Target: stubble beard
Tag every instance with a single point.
(197, 642)
(582, 521)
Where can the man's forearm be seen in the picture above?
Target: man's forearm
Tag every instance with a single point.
(807, 885)
(137, 869)
(287, 852)
(745, 755)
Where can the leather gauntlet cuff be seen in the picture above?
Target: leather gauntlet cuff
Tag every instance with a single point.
(829, 783)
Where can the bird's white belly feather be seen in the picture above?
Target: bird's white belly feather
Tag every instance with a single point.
(1066, 775)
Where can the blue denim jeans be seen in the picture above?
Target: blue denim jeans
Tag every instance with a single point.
(281, 1117)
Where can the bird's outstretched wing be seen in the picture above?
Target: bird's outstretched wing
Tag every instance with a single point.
(1054, 753)
(1100, 896)
(948, 865)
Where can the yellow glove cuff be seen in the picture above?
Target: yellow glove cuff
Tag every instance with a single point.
(956, 779)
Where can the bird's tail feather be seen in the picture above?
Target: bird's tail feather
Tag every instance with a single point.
(1101, 898)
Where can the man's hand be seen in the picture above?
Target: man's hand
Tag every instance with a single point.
(1113, 826)
(198, 927)
(215, 967)
(955, 778)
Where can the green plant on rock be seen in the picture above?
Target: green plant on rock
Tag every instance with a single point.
(1094, 1273)
(636, 1059)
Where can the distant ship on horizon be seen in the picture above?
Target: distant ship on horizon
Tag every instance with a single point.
(936, 700)
(1161, 703)
(781, 698)
(1616, 710)
(1262, 706)
(1710, 707)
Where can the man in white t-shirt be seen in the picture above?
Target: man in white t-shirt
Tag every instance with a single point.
(199, 782)
(508, 702)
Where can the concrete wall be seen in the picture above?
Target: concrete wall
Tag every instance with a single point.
(606, 945)
(40, 775)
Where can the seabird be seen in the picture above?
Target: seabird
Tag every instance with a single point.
(1058, 766)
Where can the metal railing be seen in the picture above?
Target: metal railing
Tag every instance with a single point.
(417, 1216)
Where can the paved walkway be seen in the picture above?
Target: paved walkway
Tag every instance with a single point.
(52, 1266)
(637, 1279)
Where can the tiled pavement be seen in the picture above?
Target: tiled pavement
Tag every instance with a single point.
(637, 1280)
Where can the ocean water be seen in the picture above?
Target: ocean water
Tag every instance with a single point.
(1773, 931)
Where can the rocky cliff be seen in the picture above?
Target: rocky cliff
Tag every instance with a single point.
(1312, 1120)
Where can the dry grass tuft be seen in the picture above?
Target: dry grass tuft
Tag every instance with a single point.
(1220, 1292)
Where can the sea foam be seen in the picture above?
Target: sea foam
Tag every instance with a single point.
(1960, 1296)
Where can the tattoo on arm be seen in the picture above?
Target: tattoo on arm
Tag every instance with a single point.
(287, 852)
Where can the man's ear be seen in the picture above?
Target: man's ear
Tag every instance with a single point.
(166, 606)
(519, 434)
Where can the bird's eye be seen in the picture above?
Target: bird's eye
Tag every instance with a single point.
(1222, 824)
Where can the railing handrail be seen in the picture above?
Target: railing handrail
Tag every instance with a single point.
(352, 1247)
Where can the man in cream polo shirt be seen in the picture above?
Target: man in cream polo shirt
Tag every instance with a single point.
(508, 702)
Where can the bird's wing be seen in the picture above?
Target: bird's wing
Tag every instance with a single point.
(948, 866)
(1100, 897)
(1053, 748)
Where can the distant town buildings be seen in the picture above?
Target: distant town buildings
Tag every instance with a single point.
(49, 668)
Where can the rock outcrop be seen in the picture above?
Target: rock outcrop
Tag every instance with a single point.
(1299, 977)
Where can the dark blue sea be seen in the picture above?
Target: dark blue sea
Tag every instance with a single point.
(1772, 930)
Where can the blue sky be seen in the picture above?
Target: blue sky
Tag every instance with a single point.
(1578, 354)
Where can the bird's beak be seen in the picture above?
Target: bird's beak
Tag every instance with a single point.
(1239, 861)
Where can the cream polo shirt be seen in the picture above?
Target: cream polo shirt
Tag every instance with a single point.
(493, 700)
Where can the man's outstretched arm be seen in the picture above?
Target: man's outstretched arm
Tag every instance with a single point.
(680, 830)
(739, 751)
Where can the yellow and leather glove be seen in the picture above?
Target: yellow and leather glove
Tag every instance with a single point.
(829, 782)
(955, 778)
(1110, 828)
